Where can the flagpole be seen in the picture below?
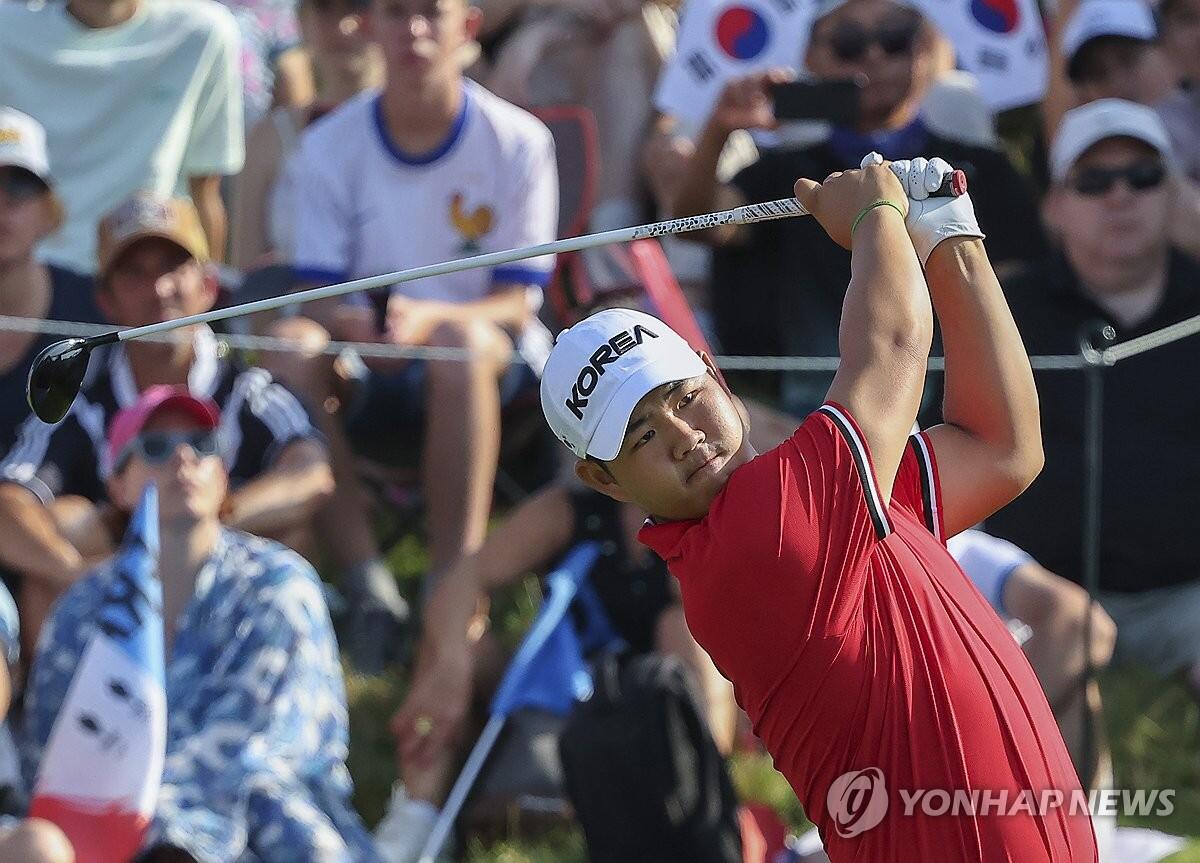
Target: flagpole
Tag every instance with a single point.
(462, 787)
(563, 584)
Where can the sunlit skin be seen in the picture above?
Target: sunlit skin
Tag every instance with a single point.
(683, 442)
(155, 280)
(1122, 225)
(889, 78)
(191, 488)
(422, 39)
(24, 221)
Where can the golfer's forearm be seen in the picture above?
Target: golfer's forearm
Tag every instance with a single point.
(887, 320)
(990, 393)
(31, 542)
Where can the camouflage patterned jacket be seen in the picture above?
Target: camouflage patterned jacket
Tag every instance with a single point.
(257, 723)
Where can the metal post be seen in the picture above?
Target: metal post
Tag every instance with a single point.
(1093, 431)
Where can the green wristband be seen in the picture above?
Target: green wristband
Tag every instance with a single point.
(871, 206)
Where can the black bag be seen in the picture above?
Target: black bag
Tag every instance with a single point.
(642, 771)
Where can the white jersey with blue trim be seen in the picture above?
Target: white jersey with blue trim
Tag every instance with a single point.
(364, 207)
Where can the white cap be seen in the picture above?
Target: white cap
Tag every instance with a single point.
(600, 369)
(23, 143)
(1095, 18)
(1089, 124)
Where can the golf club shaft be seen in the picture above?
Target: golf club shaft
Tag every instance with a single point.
(780, 209)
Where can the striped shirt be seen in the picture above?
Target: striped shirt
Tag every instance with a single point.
(259, 418)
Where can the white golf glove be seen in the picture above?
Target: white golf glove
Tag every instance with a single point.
(930, 220)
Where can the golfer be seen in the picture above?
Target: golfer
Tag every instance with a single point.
(816, 574)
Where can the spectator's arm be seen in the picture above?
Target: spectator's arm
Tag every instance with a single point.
(206, 195)
(441, 688)
(745, 103)
(990, 447)
(294, 85)
(251, 242)
(1060, 92)
(1185, 217)
(285, 496)
(31, 542)
(324, 233)
(42, 463)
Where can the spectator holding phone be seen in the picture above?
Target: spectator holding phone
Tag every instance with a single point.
(759, 270)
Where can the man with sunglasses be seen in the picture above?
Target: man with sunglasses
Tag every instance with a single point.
(760, 270)
(256, 723)
(1109, 207)
(153, 267)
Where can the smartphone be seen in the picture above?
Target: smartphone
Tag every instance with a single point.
(835, 102)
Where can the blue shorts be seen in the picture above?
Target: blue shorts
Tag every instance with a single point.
(386, 422)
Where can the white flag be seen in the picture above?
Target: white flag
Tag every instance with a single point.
(724, 39)
(1001, 42)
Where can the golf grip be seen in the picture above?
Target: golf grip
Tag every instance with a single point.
(954, 185)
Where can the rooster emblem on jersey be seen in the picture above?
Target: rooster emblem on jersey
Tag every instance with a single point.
(471, 225)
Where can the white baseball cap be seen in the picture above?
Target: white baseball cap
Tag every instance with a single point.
(23, 143)
(601, 368)
(1083, 127)
(1131, 19)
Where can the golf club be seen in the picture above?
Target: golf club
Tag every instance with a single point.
(58, 371)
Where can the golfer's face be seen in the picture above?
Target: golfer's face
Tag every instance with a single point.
(683, 441)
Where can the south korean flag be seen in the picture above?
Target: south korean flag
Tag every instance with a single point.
(724, 39)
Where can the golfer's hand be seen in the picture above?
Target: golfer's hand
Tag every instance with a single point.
(431, 718)
(931, 220)
(838, 201)
(746, 103)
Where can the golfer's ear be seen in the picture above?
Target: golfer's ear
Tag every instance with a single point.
(595, 477)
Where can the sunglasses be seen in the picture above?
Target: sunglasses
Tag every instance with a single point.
(20, 185)
(850, 41)
(156, 448)
(1140, 176)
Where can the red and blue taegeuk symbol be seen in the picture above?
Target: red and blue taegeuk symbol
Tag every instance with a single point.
(742, 32)
(999, 16)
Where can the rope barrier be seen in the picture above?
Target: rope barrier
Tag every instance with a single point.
(237, 341)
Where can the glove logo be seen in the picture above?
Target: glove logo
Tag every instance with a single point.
(857, 801)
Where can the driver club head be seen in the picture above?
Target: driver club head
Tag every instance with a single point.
(55, 377)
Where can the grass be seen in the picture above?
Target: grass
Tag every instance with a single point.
(1153, 729)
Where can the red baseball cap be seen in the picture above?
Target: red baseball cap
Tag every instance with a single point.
(129, 422)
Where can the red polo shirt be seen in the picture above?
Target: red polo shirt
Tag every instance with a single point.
(855, 643)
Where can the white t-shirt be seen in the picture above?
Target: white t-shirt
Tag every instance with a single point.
(363, 208)
(142, 105)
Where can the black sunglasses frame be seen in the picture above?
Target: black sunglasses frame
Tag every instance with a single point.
(1139, 176)
(851, 41)
(205, 443)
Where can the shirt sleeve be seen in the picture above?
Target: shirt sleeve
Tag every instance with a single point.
(51, 460)
(532, 216)
(323, 237)
(271, 417)
(917, 487)
(216, 144)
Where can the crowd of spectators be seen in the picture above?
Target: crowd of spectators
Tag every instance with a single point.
(161, 157)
